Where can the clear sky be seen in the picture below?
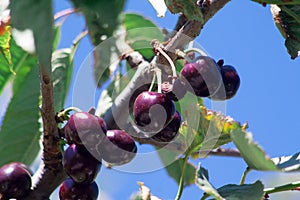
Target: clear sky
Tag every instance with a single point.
(244, 35)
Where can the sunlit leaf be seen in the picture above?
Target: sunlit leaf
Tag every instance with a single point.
(252, 153)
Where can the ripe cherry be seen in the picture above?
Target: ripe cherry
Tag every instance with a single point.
(203, 74)
(170, 131)
(231, 82)
(15, 180)
(85, 128)
(80, 165)
(118, 147)
(152, 111)
(70, 190)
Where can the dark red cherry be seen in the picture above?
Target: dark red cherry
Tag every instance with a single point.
(231, 83)
(118, 147)
(203, 74)
(152, 111)
(69, 190)
(170, 131)
(85, 128)
(15, 180)
(80, 165)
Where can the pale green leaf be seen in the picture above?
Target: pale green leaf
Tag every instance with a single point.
(252, 153)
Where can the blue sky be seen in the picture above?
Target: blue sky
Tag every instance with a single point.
(244, 35)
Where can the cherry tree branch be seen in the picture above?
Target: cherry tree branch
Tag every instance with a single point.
(50, 173)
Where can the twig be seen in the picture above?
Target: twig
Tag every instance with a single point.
(63, 13)
(50, 173)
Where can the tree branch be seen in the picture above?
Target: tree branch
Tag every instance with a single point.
(50, 173)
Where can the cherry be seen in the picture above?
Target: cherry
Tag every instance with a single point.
(231, 81)
(80, 165)
(15, 180)
(118, 147)
(152, 111)
(85, 128)
(170, 131)
(203, 74)
(70, 190)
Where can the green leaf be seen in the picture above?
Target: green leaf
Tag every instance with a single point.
(279, 2)
(62, 69)
(253, 191)
(188, 7)
(288, 163)
(102, 17)
(174, 166)
(57, 34)
(253, 154)
(140, 32)
(36, 15)
(287, 20)
(19, 135)
(203, 183)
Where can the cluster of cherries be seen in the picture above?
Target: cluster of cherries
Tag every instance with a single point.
(154, 114)
(90, 142)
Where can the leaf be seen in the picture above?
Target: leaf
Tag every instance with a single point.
(6, 69)
(57, 34)
(203, 183)
(159, 6)
(62, 68)
(288, 163)
(279, 2)
(174, 167)
(140, 32)
(211, 131)
(253, 154)
(253, 191)
(36, 15)
(107, 56)
(188, 7)
(102, 17)
(287, 20)
(5, 44)
(19, 135)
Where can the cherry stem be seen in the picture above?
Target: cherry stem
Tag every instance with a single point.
(202, 53)
(244, 176)
(63, 13)
(152, 82)
(169, 60)
(281, 188)
(159, 80)
(67, 110)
